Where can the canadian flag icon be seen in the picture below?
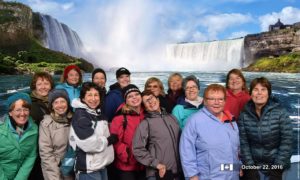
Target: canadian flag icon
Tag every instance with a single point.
(226, 167)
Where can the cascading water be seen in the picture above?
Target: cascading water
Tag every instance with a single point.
(59, 37)
(207, 56)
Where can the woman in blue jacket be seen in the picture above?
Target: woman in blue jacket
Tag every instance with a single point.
(266, 134)
(209, 144)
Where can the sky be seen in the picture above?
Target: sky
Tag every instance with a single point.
(136, 29)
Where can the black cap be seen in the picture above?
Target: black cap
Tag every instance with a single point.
(122, 71)
(130, 88)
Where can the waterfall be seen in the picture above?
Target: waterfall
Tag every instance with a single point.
(59, 37)
(207, 56)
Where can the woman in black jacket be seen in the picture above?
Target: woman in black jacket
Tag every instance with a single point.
(266, 134)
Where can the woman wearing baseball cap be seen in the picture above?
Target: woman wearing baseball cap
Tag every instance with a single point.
(114, 97)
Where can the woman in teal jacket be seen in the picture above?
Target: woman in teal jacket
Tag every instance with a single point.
(71, 82)
(18, 137)
(191, 103)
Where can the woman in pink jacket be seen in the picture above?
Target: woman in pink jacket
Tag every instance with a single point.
(237, 94)
(124, 124)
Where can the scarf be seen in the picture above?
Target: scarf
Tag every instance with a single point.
(196, 102)
(44, 99)
(62, 119)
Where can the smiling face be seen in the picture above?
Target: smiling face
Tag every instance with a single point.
(151, 103)
(20, 113)
(99, 79)
(175, 83)
(214, 101)
(191, 91)
(235, 83)
(60, 106)
(154, 87)
(92, 98)
(134, 99)
(259, 95)
(42, 87)
(124, 80)
(73, 77)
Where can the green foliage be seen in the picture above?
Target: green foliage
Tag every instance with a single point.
(7, 15)
(289, 63)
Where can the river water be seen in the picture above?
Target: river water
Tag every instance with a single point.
(286, 87)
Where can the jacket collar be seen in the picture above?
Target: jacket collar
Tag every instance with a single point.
(76, 103)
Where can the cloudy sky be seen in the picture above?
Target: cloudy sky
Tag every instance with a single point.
(128, 27)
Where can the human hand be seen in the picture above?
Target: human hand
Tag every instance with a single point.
(161, 170)
(194, 177)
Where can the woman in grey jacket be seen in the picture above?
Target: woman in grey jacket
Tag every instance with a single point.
(54, 133)
(155, 142)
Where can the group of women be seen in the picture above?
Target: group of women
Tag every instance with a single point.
(127, 134)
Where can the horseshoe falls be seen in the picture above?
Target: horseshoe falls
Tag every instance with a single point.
(207, 56)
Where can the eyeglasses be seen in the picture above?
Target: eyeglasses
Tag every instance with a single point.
(150, 99)
(19, 111)
(192, 88)
(216, 99)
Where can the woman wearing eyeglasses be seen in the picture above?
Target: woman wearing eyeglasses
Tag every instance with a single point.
(18, 137)
(209, 144)
(191, 103)
(155, 142)
(156, 86)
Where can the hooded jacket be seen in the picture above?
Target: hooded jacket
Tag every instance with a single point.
(53, 141)
(266, 140)
(113, 99)
(17, 157)
(73, 92)
(156, 141)
(123, 148)
(88, 136)
(206, 144)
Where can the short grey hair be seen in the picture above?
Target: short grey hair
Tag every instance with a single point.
(190, 78)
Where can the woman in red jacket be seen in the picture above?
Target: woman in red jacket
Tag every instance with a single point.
(124, 124)
(237, 94)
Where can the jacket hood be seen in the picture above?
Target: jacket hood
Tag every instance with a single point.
(115, 86)
(76, 103)
(154, 114)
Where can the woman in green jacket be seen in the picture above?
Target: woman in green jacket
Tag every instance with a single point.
(18, 137)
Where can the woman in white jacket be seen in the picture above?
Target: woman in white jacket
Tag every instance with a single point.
(89, 135)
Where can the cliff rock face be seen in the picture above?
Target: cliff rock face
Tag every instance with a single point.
(15, 23)
(272, 43)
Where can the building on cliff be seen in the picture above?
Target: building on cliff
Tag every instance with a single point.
(279, 25)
